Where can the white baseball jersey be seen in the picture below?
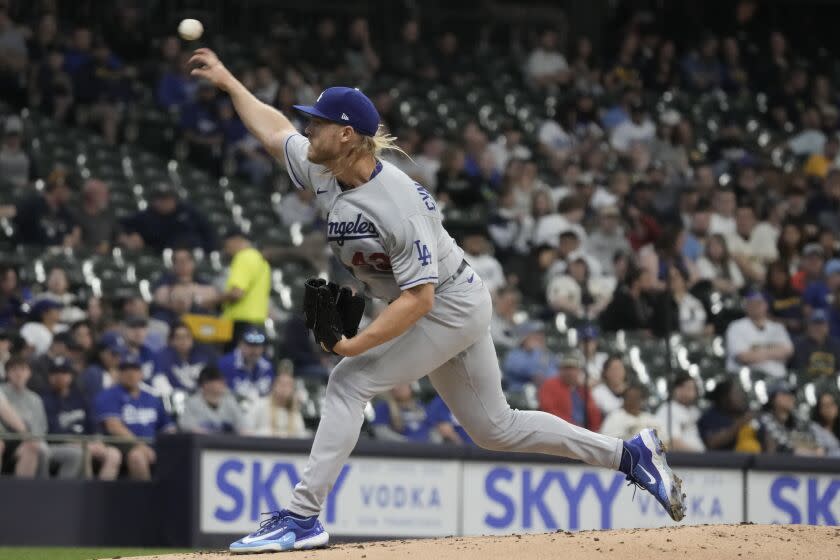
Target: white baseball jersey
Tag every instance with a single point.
(387, 232)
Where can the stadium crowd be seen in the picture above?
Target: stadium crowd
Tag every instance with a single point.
(615, 214)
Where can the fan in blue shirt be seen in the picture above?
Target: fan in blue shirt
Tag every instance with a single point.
(247, 372)
(440, 418)
(69, 413)
(400, 417)
(129, 411)
(182, 360)
(136, 331)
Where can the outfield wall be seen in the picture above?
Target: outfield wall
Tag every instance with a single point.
(213, 489)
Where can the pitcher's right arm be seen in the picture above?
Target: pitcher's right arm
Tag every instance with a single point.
(266, 123)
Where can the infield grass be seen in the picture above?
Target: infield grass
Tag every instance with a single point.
(71, 553)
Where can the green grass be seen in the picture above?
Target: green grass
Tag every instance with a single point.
(62, 553)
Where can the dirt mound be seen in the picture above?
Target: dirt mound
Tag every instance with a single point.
(709, 542)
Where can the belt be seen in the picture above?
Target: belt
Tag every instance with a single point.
(458, 273)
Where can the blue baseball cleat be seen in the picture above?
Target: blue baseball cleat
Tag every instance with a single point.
(649, 470)
(282, 531)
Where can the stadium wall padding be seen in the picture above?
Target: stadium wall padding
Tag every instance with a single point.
(211, 489)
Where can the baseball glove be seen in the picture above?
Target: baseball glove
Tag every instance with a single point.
(330, 312)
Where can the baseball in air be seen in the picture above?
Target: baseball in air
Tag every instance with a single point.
(190, 29)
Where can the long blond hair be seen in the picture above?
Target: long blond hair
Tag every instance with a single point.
(366, 146)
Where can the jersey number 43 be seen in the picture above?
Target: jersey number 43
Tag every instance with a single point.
(378, 261)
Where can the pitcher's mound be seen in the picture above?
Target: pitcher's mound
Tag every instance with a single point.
(708, 542)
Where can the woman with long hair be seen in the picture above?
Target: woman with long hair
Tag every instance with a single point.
(783, 301)
(718, 267)
(825, 416)
(278, 413)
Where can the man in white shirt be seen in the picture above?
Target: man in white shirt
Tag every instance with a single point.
(811, 140)
(682, 432)
(752, 241)
(757, 342)
(639, 129)
(546, 67)
(631, 417)
(477, 254)
(723, 212)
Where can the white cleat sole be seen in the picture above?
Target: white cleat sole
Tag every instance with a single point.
(315, 541)
(676, 497)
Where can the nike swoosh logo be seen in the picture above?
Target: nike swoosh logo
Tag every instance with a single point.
(319, 191)
(249, 539)
(470, 279)
(650, 476)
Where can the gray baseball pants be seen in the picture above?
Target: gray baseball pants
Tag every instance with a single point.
(451, 345)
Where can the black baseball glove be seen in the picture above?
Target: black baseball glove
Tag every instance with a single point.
(331, 312)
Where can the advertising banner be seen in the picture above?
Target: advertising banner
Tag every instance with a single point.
(811, 499)
(530, 498)
(372, 496)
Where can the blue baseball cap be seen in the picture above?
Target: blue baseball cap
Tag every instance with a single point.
(347, 106)
(832, 266)
(818, 316)
(130, 362)
(113, 342)
(254, 336)
(589, 332)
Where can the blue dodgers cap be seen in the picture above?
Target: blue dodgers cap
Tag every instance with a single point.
(344, 105)
(113, 342)
(254, 335)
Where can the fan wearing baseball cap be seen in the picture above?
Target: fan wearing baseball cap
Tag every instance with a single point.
(757, 342)
(817, 353)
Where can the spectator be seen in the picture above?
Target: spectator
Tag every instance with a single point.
(702, 71)
(632, 417)
(570, 213)
(58, 290)
(308, 358)
(408, 57)
(134, 306)
(608, 395)
(811, 267)
(328, 60)
(810, 140)
(680, 422)
(566, 397)
(531, 362)
(12, 296)
(607, 238)
(103, 373)
(819, 292)
(46, 219)
(818, 164)
(129, 411)
(593, 359)
(96, 218)
(823, 207)
(168, 222)
(816, 354)
(728, 425)
(399, 416)
(718, 267)
(13, 56)
(478, 253)
(202, 127)
(212, 409)
(757, 342)
(182, 290)
(247, 372)
(278, 413)
(179, 364)
(45, 315)
(780, 429)
(51, 89)
(723, 212)
(826, 424)
(444, 425)
(15, 167)
(784, 302)
(638, 130)
(175, 88)
(547, 69)
(753, 244)
(69, 414)
(298, 207)
(360, 57)
(245, 299)
(630, 307)
(502, 324)
(690, 314)
(697, 232)
(135, 331)
(454, 184)
(40, 365)
(23, 414)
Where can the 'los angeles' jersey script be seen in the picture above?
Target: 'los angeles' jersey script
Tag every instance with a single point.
(388, 231)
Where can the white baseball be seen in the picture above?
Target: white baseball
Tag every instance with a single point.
(190, 29)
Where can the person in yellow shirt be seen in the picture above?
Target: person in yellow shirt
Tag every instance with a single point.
(245, 299)
(819, 164)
